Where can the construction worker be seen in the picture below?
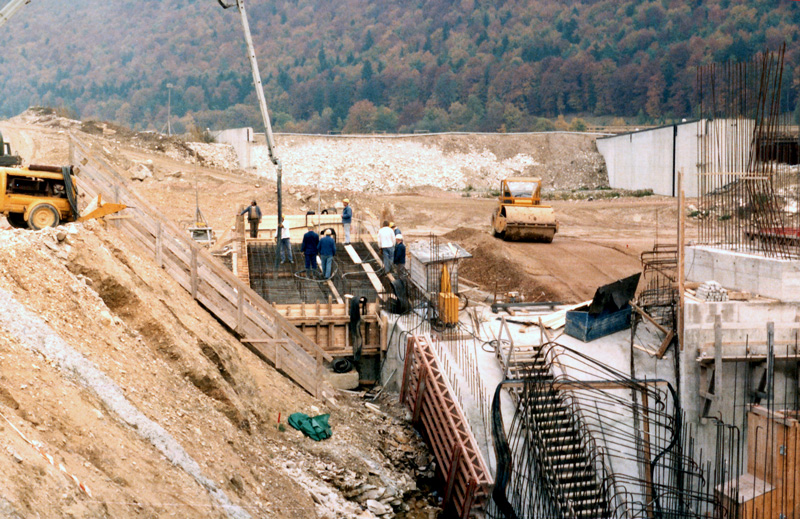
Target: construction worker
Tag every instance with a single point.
(399, 254)
(285, 242)
(254, 217)
(347, 218)
(327, 250)
(310, 248)
(395, 228)
(386, 243)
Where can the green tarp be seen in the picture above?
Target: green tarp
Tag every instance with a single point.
(316, 428)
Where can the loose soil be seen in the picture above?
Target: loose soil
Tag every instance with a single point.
(183, 370)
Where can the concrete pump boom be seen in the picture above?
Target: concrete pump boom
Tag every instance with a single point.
(262, 103)
(10, 9)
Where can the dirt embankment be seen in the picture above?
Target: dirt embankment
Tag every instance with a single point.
(110, 368)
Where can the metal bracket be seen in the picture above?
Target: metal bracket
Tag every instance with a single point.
(782, 450)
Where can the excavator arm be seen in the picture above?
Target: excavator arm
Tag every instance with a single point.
(10, 9)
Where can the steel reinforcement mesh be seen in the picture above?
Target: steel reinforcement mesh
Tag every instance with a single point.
(291, 284)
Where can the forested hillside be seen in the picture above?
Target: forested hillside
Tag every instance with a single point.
(382, 65)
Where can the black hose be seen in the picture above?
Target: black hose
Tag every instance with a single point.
(355, 327)
(503, 454)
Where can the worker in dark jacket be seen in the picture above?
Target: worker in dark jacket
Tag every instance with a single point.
(254, 217)
(399, 254)
(347, 219)
(327, 250)
(310, 247)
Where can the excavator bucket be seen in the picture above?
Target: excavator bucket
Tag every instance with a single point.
(98, 209)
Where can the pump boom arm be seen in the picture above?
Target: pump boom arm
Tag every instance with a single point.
(10, 9)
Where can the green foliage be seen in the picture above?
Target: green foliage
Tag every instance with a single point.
(432, 66)
(577, 125)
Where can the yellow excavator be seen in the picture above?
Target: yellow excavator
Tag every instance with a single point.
(45, 196)
(520, 215)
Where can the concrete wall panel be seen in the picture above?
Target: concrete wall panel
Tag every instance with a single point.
(644, 160)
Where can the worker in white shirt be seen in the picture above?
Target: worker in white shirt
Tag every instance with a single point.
(285, 243)
(386, 243)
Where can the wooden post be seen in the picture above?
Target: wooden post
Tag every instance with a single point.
(718, 361)
(451, 473)
(194, 272)
(681, 253)
(423, 378)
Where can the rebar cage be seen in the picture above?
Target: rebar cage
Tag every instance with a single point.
(748, 183)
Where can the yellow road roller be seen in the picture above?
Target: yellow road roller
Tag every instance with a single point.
(520, 215)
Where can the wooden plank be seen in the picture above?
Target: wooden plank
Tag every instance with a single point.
(330, 284)
(160, 246)
(239, 311)
(371, 250)
(194, 272)
(665, 344)
(218, 289)
(373, 278)
(649, 318)
(353, 254)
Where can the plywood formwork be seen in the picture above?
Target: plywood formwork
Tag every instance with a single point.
(266, 332)
(771, 486)
(435, 410)
(328, 323)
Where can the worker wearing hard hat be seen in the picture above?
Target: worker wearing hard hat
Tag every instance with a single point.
(347, 218)
(386, 243)
(395, 228)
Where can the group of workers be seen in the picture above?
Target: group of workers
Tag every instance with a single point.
(393, 250)
(390, 241)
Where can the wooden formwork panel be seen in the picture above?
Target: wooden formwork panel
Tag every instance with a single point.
(434, 408)
(223, 294)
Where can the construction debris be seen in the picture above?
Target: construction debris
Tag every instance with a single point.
(711, 291)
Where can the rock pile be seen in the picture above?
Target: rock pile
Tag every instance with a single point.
(385, 487)
(380, 165)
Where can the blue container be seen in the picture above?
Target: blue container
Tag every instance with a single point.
(581, 325)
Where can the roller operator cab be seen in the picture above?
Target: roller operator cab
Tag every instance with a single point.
(38, 196)
(520, 215)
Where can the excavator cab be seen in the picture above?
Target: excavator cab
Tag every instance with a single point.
(520, 214)
(6, 158)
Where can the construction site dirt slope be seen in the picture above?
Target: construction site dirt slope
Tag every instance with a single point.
(111, 373)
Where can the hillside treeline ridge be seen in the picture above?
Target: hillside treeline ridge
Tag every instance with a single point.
(359, 66)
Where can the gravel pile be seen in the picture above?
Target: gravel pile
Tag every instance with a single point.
(375, 165)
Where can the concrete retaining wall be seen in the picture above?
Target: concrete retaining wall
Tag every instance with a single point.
(241, 140)
(768, 277)
(650, 159)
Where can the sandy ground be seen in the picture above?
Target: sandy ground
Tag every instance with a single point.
(180, 368)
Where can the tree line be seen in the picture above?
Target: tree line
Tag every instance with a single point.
(359, 66)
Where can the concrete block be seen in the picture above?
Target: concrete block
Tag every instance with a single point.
(347, 380)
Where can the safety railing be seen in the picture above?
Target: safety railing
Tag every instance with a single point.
(268, 334)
